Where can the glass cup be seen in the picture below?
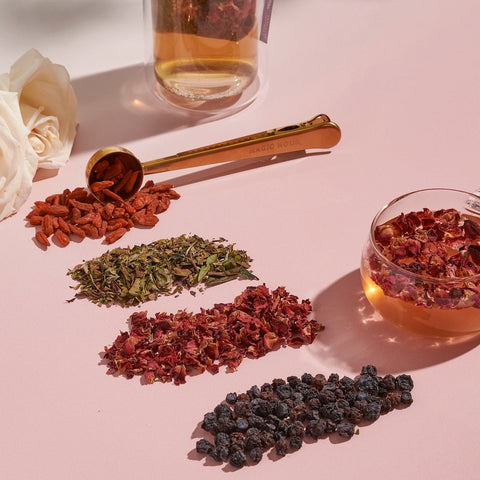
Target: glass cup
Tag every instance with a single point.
(420, 266)
(206, 55)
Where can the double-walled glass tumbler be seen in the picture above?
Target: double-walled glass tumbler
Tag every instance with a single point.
(206, 55)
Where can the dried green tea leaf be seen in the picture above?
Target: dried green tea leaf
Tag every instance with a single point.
(130, 276)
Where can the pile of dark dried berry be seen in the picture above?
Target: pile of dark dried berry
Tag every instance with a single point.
(282, 413)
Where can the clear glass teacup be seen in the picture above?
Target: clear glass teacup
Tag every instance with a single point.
(420, 266)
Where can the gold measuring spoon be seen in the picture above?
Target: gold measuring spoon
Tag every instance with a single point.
(121, 172)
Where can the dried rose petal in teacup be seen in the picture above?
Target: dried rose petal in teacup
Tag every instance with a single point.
(421, 265)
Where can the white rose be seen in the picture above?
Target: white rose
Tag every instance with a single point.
(48, 106)
(18, 161)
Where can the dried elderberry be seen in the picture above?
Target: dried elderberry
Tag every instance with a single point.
(406, 398)
(282, 410)
(296, 443)
(281, 447)
(204, 446)
(226, 424)
(220, 453)
(222, 438)
(355, 415)
(252, 441)
(346, 429)
(256, 454)
(238, 459)
(284, 391)
(231, 398)
(388, 383)
(210, 422)
(347, 384)
(367, 383)
(223, 409)
(293, 381)
(307, 378)
(404, 382)
(372, 411)
(254, 392)
(242, 424)
(263, 418)
(369, 370)
(316, 428)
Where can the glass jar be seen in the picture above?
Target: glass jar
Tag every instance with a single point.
(206, 55)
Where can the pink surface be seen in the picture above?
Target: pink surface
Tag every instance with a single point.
(402, 79)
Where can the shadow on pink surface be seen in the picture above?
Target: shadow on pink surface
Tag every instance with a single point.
(230, 168)
(356, 335)
(117, 107)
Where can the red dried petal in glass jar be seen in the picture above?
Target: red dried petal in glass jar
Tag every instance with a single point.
(419, 266)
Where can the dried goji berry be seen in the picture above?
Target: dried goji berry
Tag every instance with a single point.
(64, 226)
(35, 220)
(86, 219)
(161, 188)
(42, 238)
(141, 200)
(79, 232)
(131, 182)
(47, 225)
(118, 212)
(97, 186)
(62, 238)
(145, 220)
(97, 221)
(115, 235)
(102, 229)
(82, 206)
(57, 210)
(112, 195)
(53, 199)
(115, 224)
(78, 193)
(90, 230)
(76, 214)
(79, 212)
(107, 211)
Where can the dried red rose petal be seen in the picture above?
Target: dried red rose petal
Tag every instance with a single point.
(441, 244)
(168, 347)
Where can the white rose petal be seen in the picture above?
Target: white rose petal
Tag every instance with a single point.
(4, 82)
(48, 105)
(18, 161)
(44, 133)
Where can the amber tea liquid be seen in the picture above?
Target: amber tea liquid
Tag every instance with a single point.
(423, 320)
(204, 68)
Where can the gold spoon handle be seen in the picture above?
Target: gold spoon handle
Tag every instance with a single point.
(319, 132)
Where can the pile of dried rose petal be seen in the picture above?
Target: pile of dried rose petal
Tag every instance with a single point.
(168, 347)
(441, 244)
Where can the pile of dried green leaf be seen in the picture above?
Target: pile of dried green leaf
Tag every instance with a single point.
(130, 276)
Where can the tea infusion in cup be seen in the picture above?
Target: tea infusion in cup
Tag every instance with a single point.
(206, 54)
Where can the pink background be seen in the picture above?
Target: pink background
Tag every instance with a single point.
(402, 79)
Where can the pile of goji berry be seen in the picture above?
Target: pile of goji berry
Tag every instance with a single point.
(79, 213)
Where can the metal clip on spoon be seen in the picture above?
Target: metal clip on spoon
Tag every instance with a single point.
(319, 132)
